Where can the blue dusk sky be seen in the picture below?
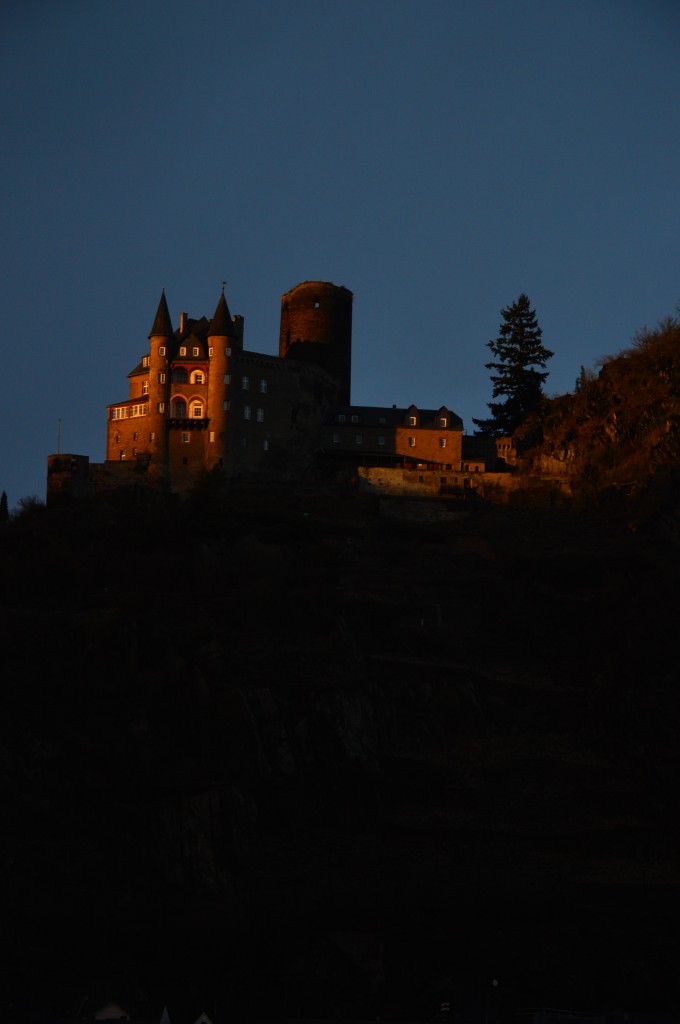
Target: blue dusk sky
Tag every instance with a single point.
(436, 157)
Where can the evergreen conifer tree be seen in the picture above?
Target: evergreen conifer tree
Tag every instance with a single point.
(4, 511)
(519, 369)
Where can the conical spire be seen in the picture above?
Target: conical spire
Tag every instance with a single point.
(221, 324)
(162, 325)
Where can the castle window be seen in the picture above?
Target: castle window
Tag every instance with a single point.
(122, 455)
(226, 405)
(212, 436)
(196, 410)
(145, 360)
(197, 377)
(161, 350)
(186, 438)
(265, 445)
(145, 387)
(183, 350)
(336, 438)
(412, 421)
(246, 412)
(443, 421)
(245, 383)
(161, 378)
(152, 435)
(341, 417)
(179, 375)
(442, 442)
(411, 442)
(227, 378)
(316, 305)
(359, 439)
(178, 409)
(228, 352)
(381, 439)
(135, 436)
(210, 351)
(160, 407)
(194, 350)
(260, 415)
(355, 418)
(382, 420)
(263, 386)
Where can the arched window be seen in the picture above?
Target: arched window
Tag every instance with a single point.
(196, 410)
(179, 375)
(178, 408)
(197, 377)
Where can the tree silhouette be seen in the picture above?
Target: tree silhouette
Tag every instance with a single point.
(518, 369)
(4, 510)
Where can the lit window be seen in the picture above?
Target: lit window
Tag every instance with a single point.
(246, 412)
(260, 415)
(145, 387)
(145, 360)
(245, 383)
(196, 410)
(336, 438)
(263, 386)
(381, 439)
(197, 377)
(411, 442)
(359, 439)
(194, 351)
(161, 350)
(212, 436)
(160, 407)
(443, 421)
(152, 436)
(210, 351)
(183, 350)
(411, 421)
(442, 442)
(161, 378)
(186, 438)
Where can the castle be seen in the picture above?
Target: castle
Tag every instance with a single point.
(200, 401)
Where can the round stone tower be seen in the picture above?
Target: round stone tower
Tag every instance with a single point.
(316, 327)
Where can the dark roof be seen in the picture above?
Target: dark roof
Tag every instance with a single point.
(162, 325)
(374, 415)
(221, 323)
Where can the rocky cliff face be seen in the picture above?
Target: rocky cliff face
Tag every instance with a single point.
(620, 427)
(322, 756)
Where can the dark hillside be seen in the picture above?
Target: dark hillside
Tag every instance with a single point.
(310, 755)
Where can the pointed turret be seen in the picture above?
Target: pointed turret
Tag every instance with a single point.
(162, 325)
(221, 325)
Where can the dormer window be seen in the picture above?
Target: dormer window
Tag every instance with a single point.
(145, 360)
(443, 422)
(194, 351)
(183, 350)
(412, 421)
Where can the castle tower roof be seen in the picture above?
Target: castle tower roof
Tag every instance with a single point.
(162, 325)
(221, 324)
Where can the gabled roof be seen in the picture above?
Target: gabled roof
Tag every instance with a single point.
(221, 324)
(162, 325)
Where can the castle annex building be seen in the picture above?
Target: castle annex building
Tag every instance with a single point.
(199, 400)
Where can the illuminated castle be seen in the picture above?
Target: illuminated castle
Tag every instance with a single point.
(199, 401)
